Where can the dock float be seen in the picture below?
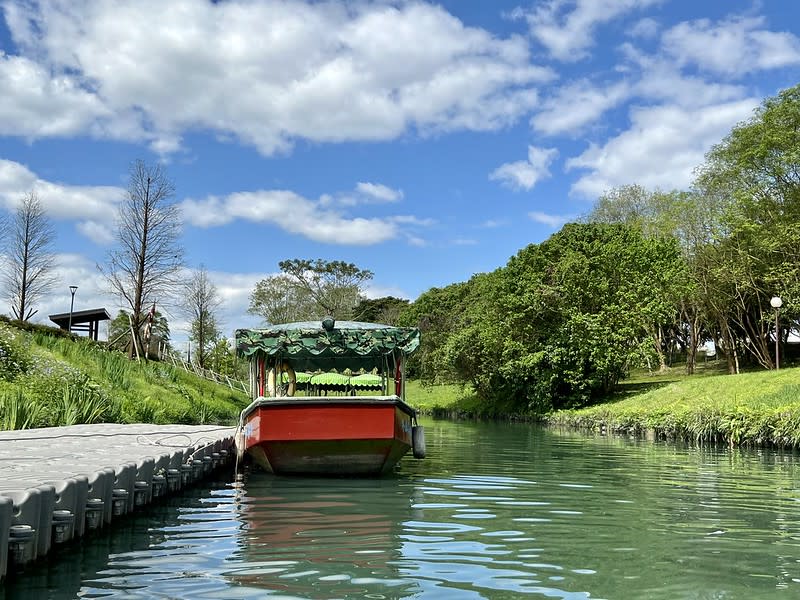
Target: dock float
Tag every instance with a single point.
(60, 483)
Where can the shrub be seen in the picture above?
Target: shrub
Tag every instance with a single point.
(15, 358)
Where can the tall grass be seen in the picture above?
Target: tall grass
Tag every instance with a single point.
(17, 411)
(69, 381)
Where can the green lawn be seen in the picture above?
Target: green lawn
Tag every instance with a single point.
(440, 400)
(760, 407)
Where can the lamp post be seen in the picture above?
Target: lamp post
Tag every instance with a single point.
(72, 290)
(776, 303)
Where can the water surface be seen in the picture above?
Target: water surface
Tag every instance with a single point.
(496, 511)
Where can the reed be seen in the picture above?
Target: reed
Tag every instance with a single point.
(17, 411)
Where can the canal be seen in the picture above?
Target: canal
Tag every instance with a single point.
(495, 511)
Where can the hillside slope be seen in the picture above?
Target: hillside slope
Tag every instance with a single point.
(49, 379)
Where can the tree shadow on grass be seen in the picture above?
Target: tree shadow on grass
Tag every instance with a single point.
(626, 390)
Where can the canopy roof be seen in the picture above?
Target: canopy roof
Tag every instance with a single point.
(309, 346)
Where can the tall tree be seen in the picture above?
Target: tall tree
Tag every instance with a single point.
(756, 169)
(309, 289)
(29, 269)
(660, 215)
(278, 299)
(145, 266)
(201, 303)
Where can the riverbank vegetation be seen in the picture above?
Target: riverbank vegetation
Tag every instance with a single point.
(47, 379)
(757, 408)
(645, 277)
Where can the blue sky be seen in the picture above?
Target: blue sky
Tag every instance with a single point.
(425, 142)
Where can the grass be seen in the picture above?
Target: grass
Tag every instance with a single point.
(443, 400)
(70, 381)
(755, 408)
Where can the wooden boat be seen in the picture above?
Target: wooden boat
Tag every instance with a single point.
(340, 435)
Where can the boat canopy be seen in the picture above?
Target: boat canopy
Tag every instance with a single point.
(314, 345)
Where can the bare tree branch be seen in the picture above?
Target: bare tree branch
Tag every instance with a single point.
(201, 301)
(145, 266)
(30, 259)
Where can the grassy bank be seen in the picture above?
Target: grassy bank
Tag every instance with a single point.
(444, 401)
(759, 408)
(48, 380)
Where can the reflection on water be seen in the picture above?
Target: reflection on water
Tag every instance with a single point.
(496, 511)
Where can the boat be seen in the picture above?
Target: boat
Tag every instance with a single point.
(336, 429)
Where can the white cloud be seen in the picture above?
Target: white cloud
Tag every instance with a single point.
(733, 47)
(96, 205)
(379, 191)
(554, 221)
(35, 103)
(660, 150)
(292, 213)
(566, 27)
(645, 28)
(100, 233)
(494, 223)
(576, 105)
(524, 174)
(265, 72)
(374, 291)
(661, 80)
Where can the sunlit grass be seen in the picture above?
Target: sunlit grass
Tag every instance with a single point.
(443, 400)
(761, 407)
(74, 381)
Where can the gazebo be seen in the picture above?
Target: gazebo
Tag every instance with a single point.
(82, 320)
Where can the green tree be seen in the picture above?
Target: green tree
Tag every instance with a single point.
(755, 173)
(222, 359)
(573, 314)
(278, 299)
(385, 310)
(436, 313)
(309, 290)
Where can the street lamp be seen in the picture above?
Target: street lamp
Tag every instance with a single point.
(776, 303)
(72, 290)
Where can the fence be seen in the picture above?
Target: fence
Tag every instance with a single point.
(178, 361)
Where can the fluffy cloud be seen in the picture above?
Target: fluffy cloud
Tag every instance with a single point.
(379, 191)
(36, 104)
(732, 47)
(566, 27)
(552, 221)
(292, 213)
(660, 150)
(524, 174)
(576, 105)
(93, 207)
(266, 72)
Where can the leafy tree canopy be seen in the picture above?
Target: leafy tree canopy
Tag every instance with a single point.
(309, 290)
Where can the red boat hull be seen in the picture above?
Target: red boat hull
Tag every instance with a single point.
(328, 436)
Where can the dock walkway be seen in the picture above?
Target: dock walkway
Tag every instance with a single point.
(59, 483)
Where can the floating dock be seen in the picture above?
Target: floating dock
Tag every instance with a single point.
(60, 483)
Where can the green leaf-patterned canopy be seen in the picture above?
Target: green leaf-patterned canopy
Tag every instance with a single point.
(308, 346)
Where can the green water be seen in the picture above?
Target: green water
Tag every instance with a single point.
(496, 511)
